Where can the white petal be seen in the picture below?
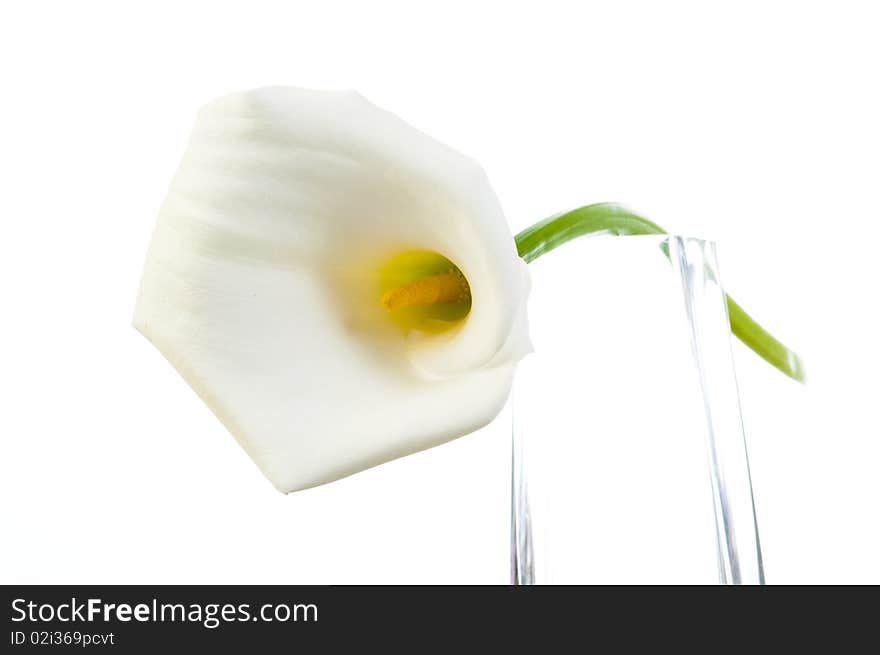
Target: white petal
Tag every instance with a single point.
(257, 285)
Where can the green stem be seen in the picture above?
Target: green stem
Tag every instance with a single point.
(608, 218)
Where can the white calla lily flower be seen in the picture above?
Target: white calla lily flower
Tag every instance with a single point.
(338, 287)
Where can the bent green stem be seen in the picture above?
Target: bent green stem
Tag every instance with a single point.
(609, 218)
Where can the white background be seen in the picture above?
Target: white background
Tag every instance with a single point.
(754, 124)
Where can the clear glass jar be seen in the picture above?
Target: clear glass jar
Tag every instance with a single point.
(630, 391)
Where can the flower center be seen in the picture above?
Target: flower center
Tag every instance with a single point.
(423, 290)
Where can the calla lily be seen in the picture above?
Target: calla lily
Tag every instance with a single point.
(338, 287)
(342, 290)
